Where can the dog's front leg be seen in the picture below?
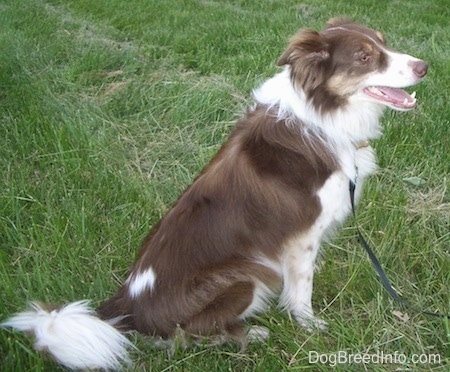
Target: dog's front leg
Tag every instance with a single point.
(298, 273)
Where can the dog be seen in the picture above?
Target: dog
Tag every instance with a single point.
(250, 226)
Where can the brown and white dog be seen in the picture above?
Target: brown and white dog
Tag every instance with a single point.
(251, 225)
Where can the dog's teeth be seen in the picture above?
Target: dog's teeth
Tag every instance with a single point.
(413, 94)
(405, 101)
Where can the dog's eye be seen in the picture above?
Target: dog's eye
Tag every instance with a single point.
(364, 57)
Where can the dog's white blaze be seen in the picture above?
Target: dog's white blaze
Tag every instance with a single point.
(398, 74)
(138, 283)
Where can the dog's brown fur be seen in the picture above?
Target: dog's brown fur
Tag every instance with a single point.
(256, 194)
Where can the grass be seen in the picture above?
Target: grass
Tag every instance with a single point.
(110, 108)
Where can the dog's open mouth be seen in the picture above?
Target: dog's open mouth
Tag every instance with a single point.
(395, 97)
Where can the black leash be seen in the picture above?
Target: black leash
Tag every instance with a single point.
(379, 270)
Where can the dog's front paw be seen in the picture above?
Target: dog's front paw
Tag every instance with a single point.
(312, 324)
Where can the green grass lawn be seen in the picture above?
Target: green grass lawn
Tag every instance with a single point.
(109, 109)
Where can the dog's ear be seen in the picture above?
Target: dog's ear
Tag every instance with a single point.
(337, 21)
(345, 21)
(308, 56)
(305, 44)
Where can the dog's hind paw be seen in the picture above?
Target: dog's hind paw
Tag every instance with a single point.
(257, 334)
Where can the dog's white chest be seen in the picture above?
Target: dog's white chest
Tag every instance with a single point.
(335, 195)
(335, 201)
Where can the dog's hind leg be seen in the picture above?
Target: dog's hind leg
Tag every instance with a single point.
(218, 321)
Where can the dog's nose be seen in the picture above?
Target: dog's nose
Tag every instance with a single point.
(420, 68)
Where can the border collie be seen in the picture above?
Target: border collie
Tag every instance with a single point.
(251, 225)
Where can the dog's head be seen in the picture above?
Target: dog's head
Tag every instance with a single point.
(348, 62)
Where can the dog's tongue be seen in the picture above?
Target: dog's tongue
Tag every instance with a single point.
(392, 96)
(395, 94)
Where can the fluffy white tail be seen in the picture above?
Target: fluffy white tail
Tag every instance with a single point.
(74, 336)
